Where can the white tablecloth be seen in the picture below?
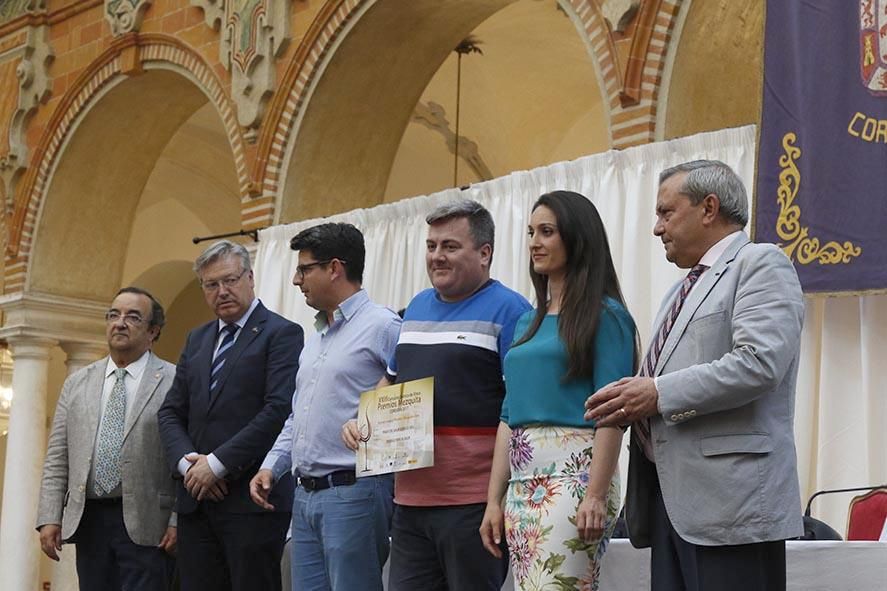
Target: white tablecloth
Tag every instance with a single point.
(810, 566)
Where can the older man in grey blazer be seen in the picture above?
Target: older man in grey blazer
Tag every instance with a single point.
(712, 483)
(106, 487)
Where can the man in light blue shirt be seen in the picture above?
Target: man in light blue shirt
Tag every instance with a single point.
(340, 523)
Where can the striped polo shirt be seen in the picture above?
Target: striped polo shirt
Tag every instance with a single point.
(462, 345)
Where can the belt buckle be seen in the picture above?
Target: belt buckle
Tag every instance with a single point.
(309, 483)
(348, 479)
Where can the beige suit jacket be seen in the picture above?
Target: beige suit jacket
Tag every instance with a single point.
(148, 488)
(724, 441)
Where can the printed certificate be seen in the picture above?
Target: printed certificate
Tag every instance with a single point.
(396, 426)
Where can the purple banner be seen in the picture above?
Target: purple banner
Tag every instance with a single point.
(822, 157)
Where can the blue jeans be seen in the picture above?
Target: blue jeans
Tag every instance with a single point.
(340, 535)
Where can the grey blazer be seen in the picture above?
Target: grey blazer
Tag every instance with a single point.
(724, 442)
(148, 488)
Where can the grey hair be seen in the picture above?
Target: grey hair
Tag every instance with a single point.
(705, 177)
(480, 222)
(222, 248)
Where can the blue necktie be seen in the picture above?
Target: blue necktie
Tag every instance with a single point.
(221, 355)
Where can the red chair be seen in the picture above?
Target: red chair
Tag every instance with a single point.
(865, 520)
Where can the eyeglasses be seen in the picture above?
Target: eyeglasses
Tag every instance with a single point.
(228, 282)
(113, 316)
(302, 269)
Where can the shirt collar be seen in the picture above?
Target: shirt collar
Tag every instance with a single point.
(490, 281)
(134, 369)
(717, 249)
(345, 311)
(240, 322)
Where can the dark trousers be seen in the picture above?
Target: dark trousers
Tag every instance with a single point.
(678, 565)
(219, 551)
(439, 548)
(107, 560)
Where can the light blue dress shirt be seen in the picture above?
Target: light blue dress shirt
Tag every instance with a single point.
(337, 363)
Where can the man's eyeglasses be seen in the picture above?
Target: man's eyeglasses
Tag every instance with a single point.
(302, 269)
(131, 319)
(228, 282)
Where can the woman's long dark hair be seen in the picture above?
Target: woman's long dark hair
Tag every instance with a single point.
(590, 276)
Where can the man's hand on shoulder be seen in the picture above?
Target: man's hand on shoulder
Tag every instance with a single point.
(51, 540)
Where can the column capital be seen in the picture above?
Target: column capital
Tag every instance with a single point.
(79, 354)
(83, 350)
(59, 318)
(30, 346)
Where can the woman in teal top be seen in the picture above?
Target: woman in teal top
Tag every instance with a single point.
(562, 499)
(541, 362)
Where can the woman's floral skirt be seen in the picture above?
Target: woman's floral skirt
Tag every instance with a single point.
(549, 475)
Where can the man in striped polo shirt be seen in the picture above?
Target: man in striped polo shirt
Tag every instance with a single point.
(458, 331)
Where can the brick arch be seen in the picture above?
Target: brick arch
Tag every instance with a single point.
(127, 55)
(633, 117)
(589, 21)
(289, 102)
(323, 36)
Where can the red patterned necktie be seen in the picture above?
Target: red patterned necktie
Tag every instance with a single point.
(641, 429)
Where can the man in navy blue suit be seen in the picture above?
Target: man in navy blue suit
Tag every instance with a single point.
(229, 400)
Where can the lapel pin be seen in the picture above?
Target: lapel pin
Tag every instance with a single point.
(256, 329)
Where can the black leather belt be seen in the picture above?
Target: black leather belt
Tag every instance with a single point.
(340, 478)
(106, 501)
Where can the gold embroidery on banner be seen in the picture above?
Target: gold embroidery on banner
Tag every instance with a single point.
(798, 245)
(869, 56)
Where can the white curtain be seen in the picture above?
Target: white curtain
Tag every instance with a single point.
(840, 419)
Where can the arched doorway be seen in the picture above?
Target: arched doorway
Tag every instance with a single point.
(528, 99)
(147, 168)
(146, 164)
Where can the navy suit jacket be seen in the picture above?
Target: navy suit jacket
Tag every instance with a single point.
(240, 423)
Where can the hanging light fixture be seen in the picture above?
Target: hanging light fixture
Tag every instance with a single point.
(468, 45)
(5, 390)
(5, 400)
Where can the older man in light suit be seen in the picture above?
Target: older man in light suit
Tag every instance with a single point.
(712, 483)
(106, 487)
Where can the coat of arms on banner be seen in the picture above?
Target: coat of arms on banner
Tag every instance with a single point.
(873, 45)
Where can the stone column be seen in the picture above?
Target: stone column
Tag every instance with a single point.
(34, 322)
(78, 356)
(19, 550)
